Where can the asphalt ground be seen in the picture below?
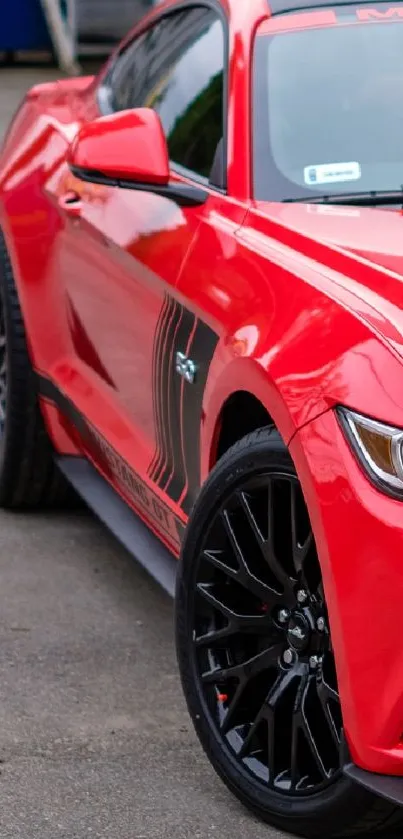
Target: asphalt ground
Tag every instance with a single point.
(95, 740)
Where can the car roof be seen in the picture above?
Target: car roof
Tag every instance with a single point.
(258, 7)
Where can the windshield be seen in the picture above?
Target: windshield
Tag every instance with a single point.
(328, 104)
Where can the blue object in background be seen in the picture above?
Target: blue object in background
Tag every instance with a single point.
(23, 26)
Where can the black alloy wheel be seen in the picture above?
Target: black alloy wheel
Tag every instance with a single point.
(255, 651)
(262, 649)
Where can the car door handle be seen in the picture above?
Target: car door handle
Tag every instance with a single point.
(71, 203)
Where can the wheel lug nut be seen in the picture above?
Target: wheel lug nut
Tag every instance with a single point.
(288, 656)
(302, 596)
(283, 616)
(320, 624)
(313, 662)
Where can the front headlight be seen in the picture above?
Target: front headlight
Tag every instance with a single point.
(379, 449)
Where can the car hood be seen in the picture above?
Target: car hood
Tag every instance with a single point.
(360, 251)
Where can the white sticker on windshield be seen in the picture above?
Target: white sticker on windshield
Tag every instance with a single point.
(332, 173)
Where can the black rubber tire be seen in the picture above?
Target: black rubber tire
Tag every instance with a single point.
(342, 809)
(29, 477)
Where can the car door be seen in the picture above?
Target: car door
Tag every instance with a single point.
(122, 255)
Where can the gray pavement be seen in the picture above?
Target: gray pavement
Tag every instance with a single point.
(94, 736)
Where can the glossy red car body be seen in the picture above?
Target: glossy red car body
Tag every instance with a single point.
(299, 306)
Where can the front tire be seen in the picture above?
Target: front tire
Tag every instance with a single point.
(255, 652)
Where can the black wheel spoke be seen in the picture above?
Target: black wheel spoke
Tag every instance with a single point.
(251, 667)
(268, 707)
(307, 731)
(301, 552)
(246, 745)
(328, 695)
(296, 732)
(261, 641)
(280, 688)
(217, 558)
(236, 619)
(238, 554)
(294, 534)
(232, 709)
(266, 548)
(215, 636)
(271, 733)
(242, 576)
(245, 577)
(207, 592)
(274, 564)
(243, 499)
(300, 549)
(328, 714)
(248, 625)
(294, 753)
(328, 692)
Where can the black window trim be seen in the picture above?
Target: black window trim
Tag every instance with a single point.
(103, 92)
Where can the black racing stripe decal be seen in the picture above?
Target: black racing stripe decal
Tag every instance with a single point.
(168, 310)
(173, 449)
(167, 368)
(178, 404)
(158, 337)
(201, 352)
(175, 478)
(179, 482)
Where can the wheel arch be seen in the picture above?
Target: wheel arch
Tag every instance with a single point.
(241, 399)
(250, 414)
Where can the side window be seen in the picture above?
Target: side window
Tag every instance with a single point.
(130, 74)
(177, 68)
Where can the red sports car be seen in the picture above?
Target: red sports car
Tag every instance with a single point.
(201, 333)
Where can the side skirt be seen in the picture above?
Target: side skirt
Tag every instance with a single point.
(384, 786)
(128, 528)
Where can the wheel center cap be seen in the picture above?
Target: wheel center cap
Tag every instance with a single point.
(298, 633)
